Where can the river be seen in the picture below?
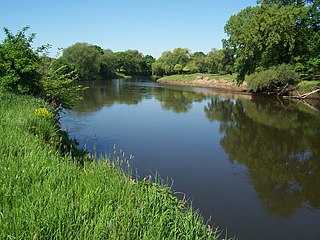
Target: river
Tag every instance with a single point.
(250, 163)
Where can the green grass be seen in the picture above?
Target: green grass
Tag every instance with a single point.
(44, 195)
(192, 77)
(307, 86)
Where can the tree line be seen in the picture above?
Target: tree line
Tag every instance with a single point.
(270, 45)
(274, 43)
(93, 62)
(181, 60)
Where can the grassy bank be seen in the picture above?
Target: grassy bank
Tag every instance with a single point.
(307, 86)
(44, 195)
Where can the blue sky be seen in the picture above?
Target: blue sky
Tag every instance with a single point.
(150, 26)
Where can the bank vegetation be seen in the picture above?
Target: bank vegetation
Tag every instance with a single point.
(51, 189)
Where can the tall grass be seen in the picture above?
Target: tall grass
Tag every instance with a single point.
(45, 195)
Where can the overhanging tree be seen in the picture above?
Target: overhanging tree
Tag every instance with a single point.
(274, 33)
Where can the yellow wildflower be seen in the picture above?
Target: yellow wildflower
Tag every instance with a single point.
(42, 112)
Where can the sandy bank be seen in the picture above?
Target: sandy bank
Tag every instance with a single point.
(225, 84)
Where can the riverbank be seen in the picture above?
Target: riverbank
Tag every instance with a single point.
(221, 82)
(228, 83)
(45, 194)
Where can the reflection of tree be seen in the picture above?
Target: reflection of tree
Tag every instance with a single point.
(280, 147)
(106, 93)
(177, 100)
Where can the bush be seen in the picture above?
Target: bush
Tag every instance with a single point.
(59, 87)
(24, 71)
(273, 78)
(19, 64)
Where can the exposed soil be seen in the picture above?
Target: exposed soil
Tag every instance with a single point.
(225, 84)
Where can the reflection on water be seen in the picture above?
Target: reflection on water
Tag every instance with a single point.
(280, 147)
(251, 162)
(107, 93)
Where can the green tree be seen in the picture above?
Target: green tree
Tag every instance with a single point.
(199, 61)
(24, 71)
(273, 79)
(108, 63)
(19, 63)
(130, 62)
(178, 68)
(181, 56)
(85, 58)
(274, 33)
(165, 65)
(214, 61)
(191, 67)
(146, 67)
(55, 64)
(158, 68)
(59, 88)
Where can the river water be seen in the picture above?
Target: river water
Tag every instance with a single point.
(250, 163)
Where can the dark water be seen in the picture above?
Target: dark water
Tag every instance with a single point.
(251, 163)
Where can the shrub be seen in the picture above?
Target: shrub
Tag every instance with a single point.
(24, 71)
(19, 64)
(273, 78)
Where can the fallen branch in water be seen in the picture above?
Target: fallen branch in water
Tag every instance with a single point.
(283, 90)
(308, 105)
(303, 96)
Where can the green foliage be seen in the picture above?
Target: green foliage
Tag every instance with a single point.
(178, 68)
(85, 58)
(274, 33)
(146, 68)
(59, 87)
(92, 62)
(198, 60)
(44, 195)
(24, 71)
(158, 68)
(19, 63)
(182, 61)
(55, 64)
(271, 79)
(191, 67)
(214, 61)
(108, 63)
(314, 66)
(307, 86)
(130, 62)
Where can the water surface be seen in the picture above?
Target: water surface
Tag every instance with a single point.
(252, 163)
